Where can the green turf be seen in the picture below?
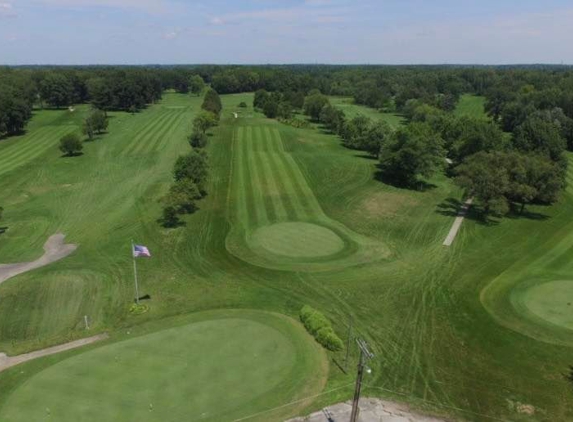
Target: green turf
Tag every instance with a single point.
(471, 105)
(551, 301)
(448, 334)
(269, 190)
(347, 105)
(229, 366)
(298, 240)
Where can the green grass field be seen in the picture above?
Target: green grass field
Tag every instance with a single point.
(347, 105)
(291, 218)
(471, 105)
(203, 370)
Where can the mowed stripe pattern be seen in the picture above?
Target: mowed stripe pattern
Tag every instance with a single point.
(269, 185)
(24, 149)
(155, 133)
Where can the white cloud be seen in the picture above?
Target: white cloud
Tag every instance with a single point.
(170, 35)
(149, 6)
(7, 10)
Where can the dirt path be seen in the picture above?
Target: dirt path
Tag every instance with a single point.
(9, 361)
(458, 222)
(54, 250)
(371, 410)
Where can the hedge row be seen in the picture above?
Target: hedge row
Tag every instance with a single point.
(319, 326)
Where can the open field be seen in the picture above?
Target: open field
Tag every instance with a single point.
(456, 331)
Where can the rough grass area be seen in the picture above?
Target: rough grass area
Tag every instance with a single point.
(447, 331)
(252, 359)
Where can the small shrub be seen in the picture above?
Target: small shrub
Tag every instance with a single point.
(319, 326)
(243, 104)
(327, 337)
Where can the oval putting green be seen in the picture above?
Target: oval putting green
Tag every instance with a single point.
(298, 240)
(551, 301)
(234, 364)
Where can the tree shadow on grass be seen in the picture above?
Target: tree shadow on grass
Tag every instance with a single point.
(415, 185)
(451, 207)
(515, 214)
(75, 154)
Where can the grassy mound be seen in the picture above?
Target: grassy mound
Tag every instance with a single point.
(228, 366)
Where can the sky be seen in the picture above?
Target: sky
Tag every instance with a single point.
(286, 31)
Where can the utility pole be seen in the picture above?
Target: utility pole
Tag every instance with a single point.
(365, 355)
(348, 340)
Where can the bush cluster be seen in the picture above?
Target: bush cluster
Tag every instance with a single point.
(319, 326)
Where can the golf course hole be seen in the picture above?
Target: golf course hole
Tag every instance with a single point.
(298, 240)
(551, 301)
(219, 366)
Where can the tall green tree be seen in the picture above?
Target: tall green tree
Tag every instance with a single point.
(313, 105)
(540, 136)
(196, 85)
(484, 176)
(212, 102)
(413, 151)
(56, 90)
(71, 144)
(192, 166)
(204, 121)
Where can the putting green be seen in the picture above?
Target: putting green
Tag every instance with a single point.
(298, 240)
(551, 301)
(229, 366)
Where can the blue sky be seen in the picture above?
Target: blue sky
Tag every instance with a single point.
(285, 31)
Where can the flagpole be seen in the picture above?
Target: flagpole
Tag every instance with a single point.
(135, 274)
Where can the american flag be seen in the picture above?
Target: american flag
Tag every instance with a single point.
(139, 250)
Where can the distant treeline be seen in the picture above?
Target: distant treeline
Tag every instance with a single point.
(382, 87)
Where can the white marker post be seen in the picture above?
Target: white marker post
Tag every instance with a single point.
(135, 273)
(86, 322)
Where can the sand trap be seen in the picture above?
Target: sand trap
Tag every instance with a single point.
(54, 250)
(9, 361)
(371, 410)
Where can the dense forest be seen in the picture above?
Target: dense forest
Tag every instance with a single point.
(515, 157)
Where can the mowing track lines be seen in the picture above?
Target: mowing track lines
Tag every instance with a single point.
(24, 146)
(303, 190)
(274, 189)
(32, 150)
(16, 145)
(160, 137)
(248, 193)
(163, 143)
(161, 126)
(239, 181)
(261, 157)
(149, 127)
(257, 187)
(291, 192)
